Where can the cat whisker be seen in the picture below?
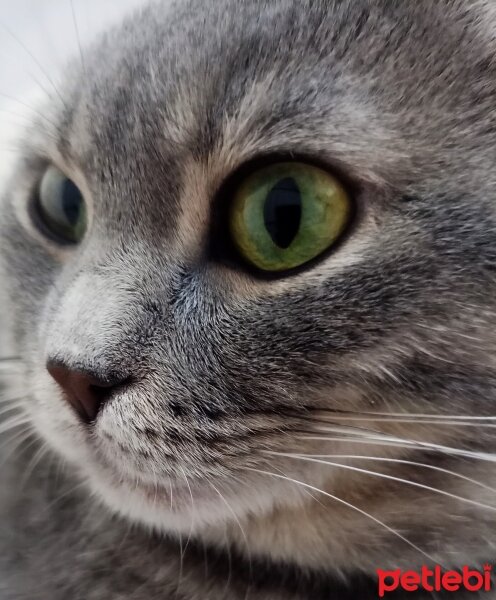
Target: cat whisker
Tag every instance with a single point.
(4, 397)
(458, 422)
(243, 533)
(13, 423)
(353, 430)
(229, 562)
(68, 492)
(15, 406)
(379, 435)
(341, 429)
(181, 565)
(404, 462)
(9, 439)
(78, 37)
(416, 484)
(188, 540)
(24, 119)
(367, 416)
(6, 59)
(347, 504)
(18, 398)
(443, 423)
(406, 444)
(182, 547)
(35, 61)
(42, 451)
(26, 393)
(17, 441)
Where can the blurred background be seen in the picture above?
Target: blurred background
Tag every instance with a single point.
(39, 35)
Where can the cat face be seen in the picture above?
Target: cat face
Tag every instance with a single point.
(330, 404)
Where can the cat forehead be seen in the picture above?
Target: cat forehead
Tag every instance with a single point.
(221, 82)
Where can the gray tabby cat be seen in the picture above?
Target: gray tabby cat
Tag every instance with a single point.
(250, 252)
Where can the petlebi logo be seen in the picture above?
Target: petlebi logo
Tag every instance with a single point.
(436, 579)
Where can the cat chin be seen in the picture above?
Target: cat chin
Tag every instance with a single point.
(176, 507)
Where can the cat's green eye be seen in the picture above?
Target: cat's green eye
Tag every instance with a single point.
(60, 207)
(284, 215)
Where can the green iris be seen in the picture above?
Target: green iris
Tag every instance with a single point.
(287, 214)
(61, 207)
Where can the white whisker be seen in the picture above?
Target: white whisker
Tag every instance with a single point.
(243, 533)
(367, 416)
(68, 492)
(15, 405)
(404, 462)
(14, 422)
(16, 443)
(78, 37)
(385, 440)
(188, 540)
(42, 452)
(385, 476)
(455, 421)
(34, 59)
(349, 505)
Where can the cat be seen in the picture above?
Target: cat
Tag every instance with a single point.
(249, 248)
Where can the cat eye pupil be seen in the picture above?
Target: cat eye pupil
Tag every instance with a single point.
(282, 212)
(71, 202)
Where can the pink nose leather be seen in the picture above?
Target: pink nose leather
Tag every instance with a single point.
(84, 391)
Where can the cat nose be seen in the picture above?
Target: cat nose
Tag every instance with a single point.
(83, 389)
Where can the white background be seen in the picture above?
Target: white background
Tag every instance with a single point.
(47, 30)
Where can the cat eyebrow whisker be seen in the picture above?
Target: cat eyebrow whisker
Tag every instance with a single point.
(78, 37)
(42, 87)
(28, 52)
(26, 120)
(345, 503)
(416, 484)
